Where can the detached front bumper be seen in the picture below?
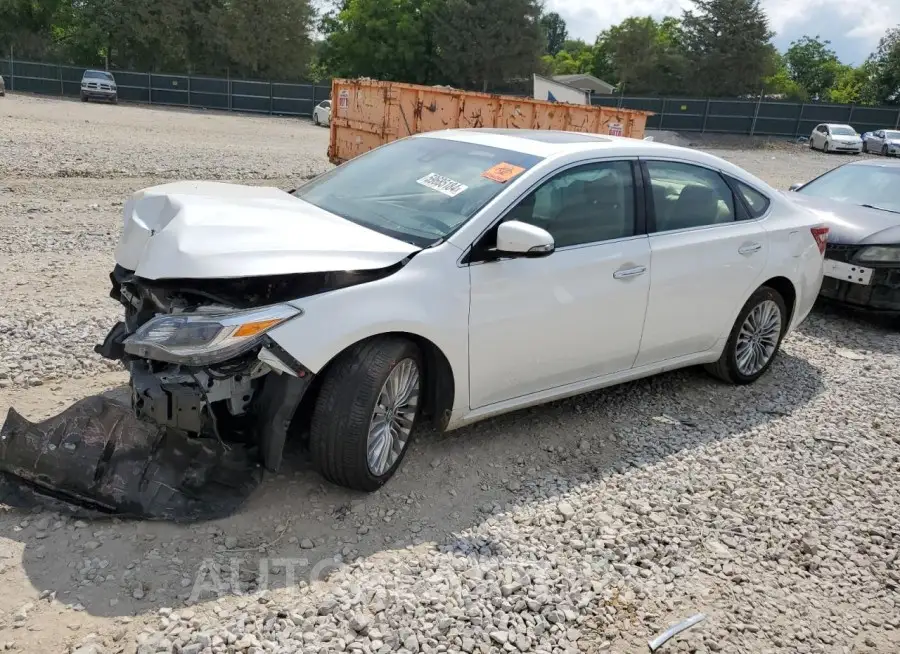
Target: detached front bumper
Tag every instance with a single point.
(861, 287)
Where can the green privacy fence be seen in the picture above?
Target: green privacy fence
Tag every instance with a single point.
(289, 99)
(755, 117)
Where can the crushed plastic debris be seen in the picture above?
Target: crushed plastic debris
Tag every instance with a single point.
(97, 456)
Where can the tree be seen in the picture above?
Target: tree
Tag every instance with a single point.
(576, 56)
(884, 69)
(781, 84)
(555, 29)
(382, 39)
(727, 44)
(642, 55)
(812, 64)
(853, 85)
(480, 43)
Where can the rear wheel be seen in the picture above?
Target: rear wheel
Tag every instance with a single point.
(884, 150)
(366, 413)
(754, 340)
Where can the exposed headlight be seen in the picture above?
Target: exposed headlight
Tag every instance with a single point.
(198, 339)
(880, 253)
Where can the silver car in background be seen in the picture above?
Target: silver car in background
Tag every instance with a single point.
(830, 137)
(99, 85)
(882, 141)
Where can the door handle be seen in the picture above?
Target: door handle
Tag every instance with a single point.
(750, 248)
(626, 273)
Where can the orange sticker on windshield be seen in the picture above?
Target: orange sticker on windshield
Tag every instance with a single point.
(502, 172)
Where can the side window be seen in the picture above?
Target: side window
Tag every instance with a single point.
(686, 196)
(756, 201)
(587, 204)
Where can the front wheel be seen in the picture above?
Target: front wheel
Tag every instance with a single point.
(865, 147)
(366, 413)
(316, 118)
(884, 150)
(826, 147)
(754, 340)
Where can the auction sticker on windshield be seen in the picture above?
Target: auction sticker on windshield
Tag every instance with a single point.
(502, 172)
(442, 184)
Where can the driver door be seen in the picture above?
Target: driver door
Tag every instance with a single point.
(540, 323)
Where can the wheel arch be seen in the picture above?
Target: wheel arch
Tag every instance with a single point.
(440, 381)
(788, 292)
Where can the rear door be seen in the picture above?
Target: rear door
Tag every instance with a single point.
(707, 254)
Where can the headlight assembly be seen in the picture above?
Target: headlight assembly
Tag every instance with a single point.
(880, 254)
(198, 339)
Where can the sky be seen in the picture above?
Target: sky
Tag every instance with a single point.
(852, 27)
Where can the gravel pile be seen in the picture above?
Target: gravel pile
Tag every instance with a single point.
(589, 525)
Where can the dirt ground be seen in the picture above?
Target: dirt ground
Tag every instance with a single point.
(773, 509)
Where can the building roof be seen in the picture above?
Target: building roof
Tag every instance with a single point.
(583, 80)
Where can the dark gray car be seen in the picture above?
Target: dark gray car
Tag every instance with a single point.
(860, 203)
(99, 85)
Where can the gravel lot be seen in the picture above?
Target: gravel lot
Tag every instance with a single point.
(585, 526)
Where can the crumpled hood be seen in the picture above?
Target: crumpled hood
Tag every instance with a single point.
(851, 224)
(205, 230)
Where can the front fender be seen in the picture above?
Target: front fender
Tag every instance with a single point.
(428, 298)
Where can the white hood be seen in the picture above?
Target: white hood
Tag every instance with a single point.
(199, 230)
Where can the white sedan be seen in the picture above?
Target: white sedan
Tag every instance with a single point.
(322, 113)
(450, 276)
(829, 137)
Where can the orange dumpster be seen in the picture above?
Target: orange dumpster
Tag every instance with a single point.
(367, 113)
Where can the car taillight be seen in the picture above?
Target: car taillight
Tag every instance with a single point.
(821, 236)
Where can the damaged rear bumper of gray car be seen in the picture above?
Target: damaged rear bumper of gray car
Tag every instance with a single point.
(192, 445)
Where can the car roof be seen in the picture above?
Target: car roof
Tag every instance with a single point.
(838, 125)
(544, 142)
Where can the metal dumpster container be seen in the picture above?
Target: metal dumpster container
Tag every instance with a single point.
(367, 113)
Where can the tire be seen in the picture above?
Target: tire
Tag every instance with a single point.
(115, 100)
(727, 368)
(865, 147)
(345, 406)
(884, 150)
(84, 98)
(825, 147)
(316, 119)
(812, 145)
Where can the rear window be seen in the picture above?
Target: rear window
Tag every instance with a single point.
(418, 190)
(756, 201)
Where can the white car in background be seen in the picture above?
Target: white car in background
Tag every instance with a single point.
(450, 276)
(883, 141)
(322, 113)
(829, 137)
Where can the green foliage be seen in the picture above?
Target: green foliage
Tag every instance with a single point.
(642, 55)
(781, 85)
(727, 45)
(812, 65)
(884, 68)
(382, 39)
(481, 44)
(555, 32)
(575, 56)
(853, 85)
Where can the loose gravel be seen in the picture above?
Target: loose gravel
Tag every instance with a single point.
(588, 525)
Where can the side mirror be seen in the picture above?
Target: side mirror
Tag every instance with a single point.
(523, 240)
(796, 186)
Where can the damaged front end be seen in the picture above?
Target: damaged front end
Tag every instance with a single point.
(212, 400)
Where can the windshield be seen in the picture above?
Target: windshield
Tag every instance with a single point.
(418, 190)
(97, 74)
(892, 135)
(843, 131)
(878, 186)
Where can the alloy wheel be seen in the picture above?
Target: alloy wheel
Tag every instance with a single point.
(393, 417)
(758, 338)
